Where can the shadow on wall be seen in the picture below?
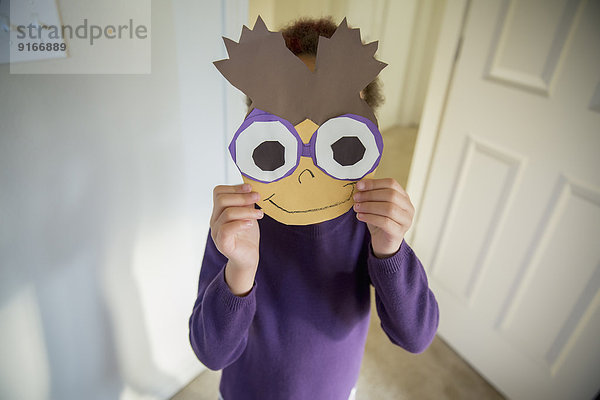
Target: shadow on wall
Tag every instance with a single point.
(70, 307)
(104, 205)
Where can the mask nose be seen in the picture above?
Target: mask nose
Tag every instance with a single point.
(305, 177)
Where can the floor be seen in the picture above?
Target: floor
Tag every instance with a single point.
(389, 372)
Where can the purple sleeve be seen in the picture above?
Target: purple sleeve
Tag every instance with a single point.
(220, 320)
(406, 306)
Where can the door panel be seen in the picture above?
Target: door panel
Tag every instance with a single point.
(528, 55)
(509, 225)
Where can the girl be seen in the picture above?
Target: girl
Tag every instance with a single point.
(284, 309)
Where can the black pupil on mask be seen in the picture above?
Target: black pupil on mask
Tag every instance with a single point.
(348, 150)
(269, 155)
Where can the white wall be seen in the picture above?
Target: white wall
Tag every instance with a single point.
(104, 204)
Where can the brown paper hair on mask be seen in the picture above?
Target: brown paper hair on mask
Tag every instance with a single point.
(277, 81)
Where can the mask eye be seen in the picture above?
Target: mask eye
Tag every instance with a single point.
(265, 151)
(269, 155)
(346, 148)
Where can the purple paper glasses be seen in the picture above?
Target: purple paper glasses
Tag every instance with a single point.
(267, 148)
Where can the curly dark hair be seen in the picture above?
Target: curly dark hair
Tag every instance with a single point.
(302, 37)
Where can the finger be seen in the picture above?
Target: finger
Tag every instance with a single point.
(385, 209)
(227, 189)
(385, 195)
(386, 224)
(222, 189)
(374, 184)
(238, 213)
(225, 200)
(236, 200)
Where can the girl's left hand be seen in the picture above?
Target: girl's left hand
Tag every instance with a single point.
(386, 208)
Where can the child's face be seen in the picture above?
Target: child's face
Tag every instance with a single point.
(308, 195)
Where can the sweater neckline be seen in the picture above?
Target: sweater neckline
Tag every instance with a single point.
(315, 230)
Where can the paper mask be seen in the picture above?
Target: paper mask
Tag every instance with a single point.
(309, 136)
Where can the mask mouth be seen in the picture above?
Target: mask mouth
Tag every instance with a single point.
(349, 198)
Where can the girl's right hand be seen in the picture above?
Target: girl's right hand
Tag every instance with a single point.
(234, 230)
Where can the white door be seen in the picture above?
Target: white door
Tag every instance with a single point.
(509, 225)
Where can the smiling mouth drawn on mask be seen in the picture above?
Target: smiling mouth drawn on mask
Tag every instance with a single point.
(353, 184)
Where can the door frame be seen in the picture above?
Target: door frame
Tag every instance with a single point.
(440, 83)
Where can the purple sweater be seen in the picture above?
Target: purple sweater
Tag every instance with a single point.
(300, 333)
